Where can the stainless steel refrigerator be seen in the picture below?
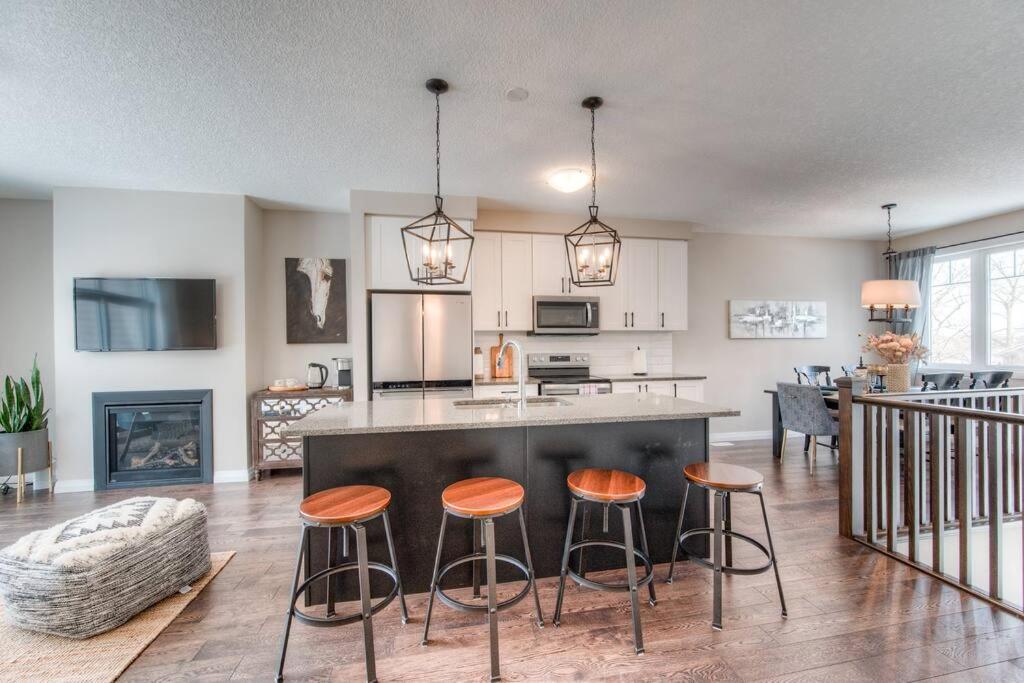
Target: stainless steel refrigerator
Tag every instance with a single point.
(421, 345)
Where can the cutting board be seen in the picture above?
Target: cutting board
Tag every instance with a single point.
(507, 371)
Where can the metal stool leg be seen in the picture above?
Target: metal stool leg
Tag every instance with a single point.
(363, 570)
(529, 565)
(727, 525)
(716, 617)
(433, 579)
(627, 527)
(771, 548)
(643, 546)
(344, 541)
(331, 553)
(679, 531)
(581, 567)
(291, 603)
(394, 563)
(565, 561)
(477, 547)
(492, 597)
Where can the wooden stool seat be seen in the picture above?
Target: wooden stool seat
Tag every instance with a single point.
(345, 504)
(483, 497)
(722, 476)
(607, 486)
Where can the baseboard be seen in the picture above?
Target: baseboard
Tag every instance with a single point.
(230, 476)
(756, 435)
(73, 485)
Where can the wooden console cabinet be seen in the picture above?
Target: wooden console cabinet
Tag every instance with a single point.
(270, 411)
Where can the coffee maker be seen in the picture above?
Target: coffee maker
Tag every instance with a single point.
(344, 367)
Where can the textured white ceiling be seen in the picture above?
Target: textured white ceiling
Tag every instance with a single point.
(773, 117)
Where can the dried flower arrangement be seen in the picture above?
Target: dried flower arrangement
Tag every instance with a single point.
(896, 349)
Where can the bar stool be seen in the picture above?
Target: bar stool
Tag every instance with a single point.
(724, 480)
(482, 500)
(622, 489)
(345, 507)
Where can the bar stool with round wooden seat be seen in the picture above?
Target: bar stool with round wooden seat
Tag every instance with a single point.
(482, 500)
(623, 490)
(724, 480)
(346, 508)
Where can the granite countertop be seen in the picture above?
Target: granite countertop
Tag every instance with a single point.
(412, 415)
(654, 377)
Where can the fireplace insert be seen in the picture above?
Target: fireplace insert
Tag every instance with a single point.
(147, 438)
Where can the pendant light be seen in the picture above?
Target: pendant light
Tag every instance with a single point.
(437, 249)
(885, 298)
(593, 248)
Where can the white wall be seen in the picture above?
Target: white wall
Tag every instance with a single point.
(724, 267)
(297, 234)
(122, 233)
(26, 279)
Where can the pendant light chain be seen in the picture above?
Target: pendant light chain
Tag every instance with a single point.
(437, 138)
(888, 211)
(593, 161)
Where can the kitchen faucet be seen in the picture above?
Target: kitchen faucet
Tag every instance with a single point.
(519, 362)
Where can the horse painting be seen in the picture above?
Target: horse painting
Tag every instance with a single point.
(315, 300)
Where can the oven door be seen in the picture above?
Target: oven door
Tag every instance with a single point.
(566, 315)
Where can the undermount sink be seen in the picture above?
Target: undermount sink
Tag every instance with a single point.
(502, 402)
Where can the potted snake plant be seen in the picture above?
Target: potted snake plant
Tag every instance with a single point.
(24, 438)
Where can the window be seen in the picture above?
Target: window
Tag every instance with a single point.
(950, 312)
(976, 312)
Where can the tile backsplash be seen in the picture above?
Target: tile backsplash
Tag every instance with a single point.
(611, 353)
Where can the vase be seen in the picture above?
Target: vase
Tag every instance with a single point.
(897, 377)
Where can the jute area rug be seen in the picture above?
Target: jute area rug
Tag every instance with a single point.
(28, 656)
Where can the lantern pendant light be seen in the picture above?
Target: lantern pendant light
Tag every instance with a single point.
(886, 299)
(593, 248)
(437, 249)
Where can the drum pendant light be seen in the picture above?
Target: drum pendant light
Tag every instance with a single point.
(889, 301)
(437, 249)
(593, 248)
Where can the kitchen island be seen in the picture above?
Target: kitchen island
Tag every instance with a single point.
(417, 447)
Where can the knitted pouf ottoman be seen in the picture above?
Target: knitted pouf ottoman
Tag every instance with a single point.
(95, 572)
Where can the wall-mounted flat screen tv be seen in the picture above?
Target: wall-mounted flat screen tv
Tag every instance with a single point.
(145, 314)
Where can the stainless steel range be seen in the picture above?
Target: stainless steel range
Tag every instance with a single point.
(565, 374)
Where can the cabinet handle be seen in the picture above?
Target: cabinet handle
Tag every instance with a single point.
(663, 320)
(625, 319)
(647, 388)
(632, 319)
(563, 285)
(675, 390)
(506, 318)
(499, 318)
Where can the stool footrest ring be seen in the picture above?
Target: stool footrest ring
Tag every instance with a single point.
(339, 619)
(468, 607)
(601, 586)
(741, 571)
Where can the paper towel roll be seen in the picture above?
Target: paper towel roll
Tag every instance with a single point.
(639, 362)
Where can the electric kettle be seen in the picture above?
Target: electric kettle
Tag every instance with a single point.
(316, 376)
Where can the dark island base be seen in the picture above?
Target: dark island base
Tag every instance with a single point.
(417, 466)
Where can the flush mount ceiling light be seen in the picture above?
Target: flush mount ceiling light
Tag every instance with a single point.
(568, 179)
(593, 248)
(883, 298)
(437, 249)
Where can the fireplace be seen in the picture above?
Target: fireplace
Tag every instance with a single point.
(148, 438)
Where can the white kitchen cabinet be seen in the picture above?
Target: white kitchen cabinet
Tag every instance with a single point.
(503, 281)
(627, 387)
(642, 284)
(672, 266)
(663, 388)
(692, 389)
(613, 312)
(517, 281)
(388, 269)
(502, 390)
(550, 266)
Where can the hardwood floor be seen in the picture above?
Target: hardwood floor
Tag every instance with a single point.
(853, 614)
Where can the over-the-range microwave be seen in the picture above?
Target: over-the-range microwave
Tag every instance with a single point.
(566, 315)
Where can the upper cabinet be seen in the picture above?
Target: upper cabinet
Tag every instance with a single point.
(503, 281)
(650, 291)
(388, 269)
(551, 268)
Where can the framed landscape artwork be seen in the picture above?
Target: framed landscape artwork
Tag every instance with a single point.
(761, 319)
(316, 308)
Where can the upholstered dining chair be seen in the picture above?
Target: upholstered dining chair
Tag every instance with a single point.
(991, 379)
(942, 381)
(813, 374)
(803, 410)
